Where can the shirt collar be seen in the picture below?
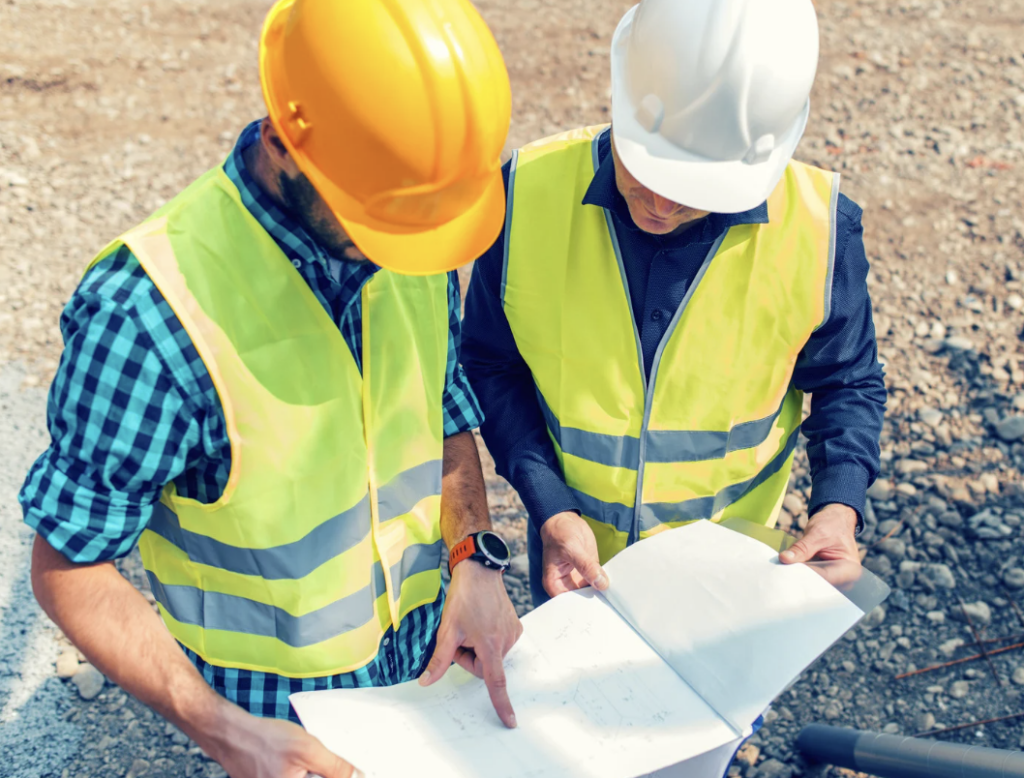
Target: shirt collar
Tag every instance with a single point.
(289, 235)
(604, 193)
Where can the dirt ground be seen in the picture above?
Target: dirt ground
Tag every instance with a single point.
(110, 107)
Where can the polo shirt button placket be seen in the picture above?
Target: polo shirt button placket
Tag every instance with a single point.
(656, 314)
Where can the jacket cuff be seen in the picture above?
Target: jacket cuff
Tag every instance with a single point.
(846, 484)
(544, 493)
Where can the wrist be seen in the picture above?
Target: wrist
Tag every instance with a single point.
(839, 513)
(553, 524)
(217, 726)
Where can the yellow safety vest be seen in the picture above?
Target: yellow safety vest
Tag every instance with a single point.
(710, 433)
(328, 530)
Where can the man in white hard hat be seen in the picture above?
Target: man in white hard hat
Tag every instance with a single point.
(665, 291)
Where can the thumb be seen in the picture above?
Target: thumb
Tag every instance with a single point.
(444, 655)
(587, 564)
(802, 551)
(321, 762)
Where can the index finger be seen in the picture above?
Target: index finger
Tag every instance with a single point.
(497, 687)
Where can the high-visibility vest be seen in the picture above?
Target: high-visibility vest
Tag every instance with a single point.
(710, 433)
(328, 530)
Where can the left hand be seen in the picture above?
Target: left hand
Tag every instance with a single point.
(829, 538)
(478, 627)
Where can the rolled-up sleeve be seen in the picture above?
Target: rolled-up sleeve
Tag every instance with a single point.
(839, 366)
(120, 428)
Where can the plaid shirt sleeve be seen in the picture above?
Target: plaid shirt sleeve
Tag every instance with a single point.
(127, 414)
(461, 409)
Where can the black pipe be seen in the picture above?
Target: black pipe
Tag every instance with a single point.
(892, 756)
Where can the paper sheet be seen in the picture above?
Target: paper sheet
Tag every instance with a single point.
(591, 697)
(732, 620)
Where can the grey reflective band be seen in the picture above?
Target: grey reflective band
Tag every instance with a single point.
(214, 610)
(663, 446)
(403, 492)
(611, 450)
(652, 514)
(323, 543)
(509, 197)
(832, 207)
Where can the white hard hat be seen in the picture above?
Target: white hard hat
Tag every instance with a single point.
(711, 97)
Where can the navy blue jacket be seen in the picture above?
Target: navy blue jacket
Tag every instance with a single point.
(839, 364)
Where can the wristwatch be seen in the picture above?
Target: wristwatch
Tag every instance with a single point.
(485, 547)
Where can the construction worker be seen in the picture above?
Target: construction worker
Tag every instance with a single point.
(665, 290)
(261, 386)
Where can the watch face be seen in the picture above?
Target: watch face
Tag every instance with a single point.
(493, 546)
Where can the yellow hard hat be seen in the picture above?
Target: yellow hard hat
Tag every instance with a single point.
(397, 111)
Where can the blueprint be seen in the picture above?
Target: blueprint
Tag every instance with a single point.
(700, 629)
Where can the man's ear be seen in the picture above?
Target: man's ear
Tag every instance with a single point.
(275, 149)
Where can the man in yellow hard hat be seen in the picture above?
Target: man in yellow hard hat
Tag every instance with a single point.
(261, 386)
(665, 290)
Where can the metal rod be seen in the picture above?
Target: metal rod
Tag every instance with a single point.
(971, 724)
(944, 665)
(977, 639)
(1016, 607)
(892, 756)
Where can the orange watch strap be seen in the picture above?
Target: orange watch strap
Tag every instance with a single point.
(463, 550)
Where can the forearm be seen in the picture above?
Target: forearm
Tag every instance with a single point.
(463, 493)
(114, 626)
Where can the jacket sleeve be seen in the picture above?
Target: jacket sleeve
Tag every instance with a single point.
(839, 366)
(514, 428)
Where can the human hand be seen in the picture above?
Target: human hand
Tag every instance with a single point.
(570, 559)
(830, 540)
(478, 627)
(250, 747)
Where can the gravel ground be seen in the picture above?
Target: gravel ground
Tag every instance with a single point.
(108, 107)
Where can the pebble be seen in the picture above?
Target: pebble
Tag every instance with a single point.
(958, 343)
(773, 768)
(881, 490)
(951, 519)
(936, 617)
(979, 613)
(907, 490)
(1018, 676)
(67, 664)
(930, 416)
(894, 548)
(959, 690)
(89, 681)
(874, 617)
(1011, 428)
(748, 754)
(879, 565)
(1014, 578)
(911, 466)
(940, 575)
(139, 767)
(519, 566)
(924, 722)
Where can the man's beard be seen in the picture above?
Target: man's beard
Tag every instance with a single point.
(301, 199)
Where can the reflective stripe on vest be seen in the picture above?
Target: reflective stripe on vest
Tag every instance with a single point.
(711, 432)
(328, 530)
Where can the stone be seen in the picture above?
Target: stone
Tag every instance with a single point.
(1014, 578)
(930, 416)
(519, 566)
(892, 728)
(67, 664)
(894, 548)
(1011, 428)
(773, 768)
(979, 613)
(924, 722)
(907, 490)
(950, 646)
(748, 754)
(959, 690)
(1015, 302)
(936, 617)
(958, 343)
(879, 565)
(939, 575)
(881, 490)
(89, 681)
(1018, 676)
(887, 526)
(951, 519)
(794, 503)
(139, 767)
(911, 466)
(875, 617)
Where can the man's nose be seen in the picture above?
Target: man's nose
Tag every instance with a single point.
(664, 208)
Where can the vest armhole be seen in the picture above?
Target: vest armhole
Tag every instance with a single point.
(830, 270)
(509, 198)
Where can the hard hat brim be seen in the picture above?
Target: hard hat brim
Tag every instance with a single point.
(439, 249)
(731, 186)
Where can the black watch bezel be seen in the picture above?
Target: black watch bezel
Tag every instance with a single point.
(485, 557)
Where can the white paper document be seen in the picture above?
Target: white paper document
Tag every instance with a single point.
(700, 630)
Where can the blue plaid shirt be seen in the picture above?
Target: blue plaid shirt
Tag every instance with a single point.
(133, 408)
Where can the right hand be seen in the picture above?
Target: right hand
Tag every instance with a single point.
(251, 747)
(570, 555)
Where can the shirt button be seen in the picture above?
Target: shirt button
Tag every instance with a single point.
(297, 262)
(386, 641)
(656, 315)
